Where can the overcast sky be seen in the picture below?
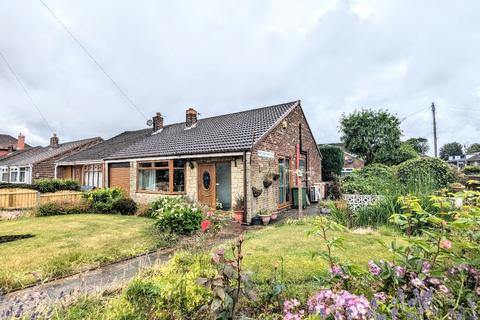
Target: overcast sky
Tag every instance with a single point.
(225, 56)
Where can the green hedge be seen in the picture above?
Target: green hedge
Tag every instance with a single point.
(472, 170)
(332, 161)
(45, 185)
(433, 173)
(373, 179)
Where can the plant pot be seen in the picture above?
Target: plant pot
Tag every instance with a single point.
(256, 221)
(274, 215)
(238, 216)
(267, 183)
(256, 192)
(325, 210)
(266, 219)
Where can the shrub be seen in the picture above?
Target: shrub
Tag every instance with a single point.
(125, 206)
(45, 185)
(427, 171)
(177, 215)
(376, 214)
(472, 170)
(102, 200)
(61, 208)
(332, 161)
(372, 179)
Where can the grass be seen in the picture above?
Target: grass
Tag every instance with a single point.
(65, 244)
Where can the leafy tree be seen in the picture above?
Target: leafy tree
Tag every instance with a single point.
(392, 158)
(451, 149)
(366, 133)
(332, 161)
(473, 148)
(420, 145)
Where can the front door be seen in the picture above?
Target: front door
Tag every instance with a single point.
(207, 184)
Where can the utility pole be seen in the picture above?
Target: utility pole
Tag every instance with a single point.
(434, 130)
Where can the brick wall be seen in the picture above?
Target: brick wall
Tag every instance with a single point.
(282, 141)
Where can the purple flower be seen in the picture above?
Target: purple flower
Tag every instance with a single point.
(443, 289)
(426, 267)
(374, 268)
(380, 296)
(417, 282)
(400, 271)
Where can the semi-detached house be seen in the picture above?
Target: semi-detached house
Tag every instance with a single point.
(212, 160)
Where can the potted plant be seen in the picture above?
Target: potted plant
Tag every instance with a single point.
(256, 221)
(274, 215)
(457, 187)
(265, 216)
(325, 207)
(239, 208)
(267, 180)
(256, 192)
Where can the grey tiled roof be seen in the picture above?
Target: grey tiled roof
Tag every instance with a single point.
(38, 154)
(6, 140)
(225, 133)
(106, 148)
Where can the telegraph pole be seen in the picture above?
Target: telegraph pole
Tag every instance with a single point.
(434, 130)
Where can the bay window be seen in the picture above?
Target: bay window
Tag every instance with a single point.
(19, 175)
(93, 175)
(166, 176)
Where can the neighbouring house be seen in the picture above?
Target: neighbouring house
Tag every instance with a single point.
(351, 162)
(88, 166)
(9, 144)
(472, 159)
(214, 160)
(25, 166)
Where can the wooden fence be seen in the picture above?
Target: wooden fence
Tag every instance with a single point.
(16, 198)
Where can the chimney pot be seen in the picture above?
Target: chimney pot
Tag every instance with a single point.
(157, 122)
(21, 142)
(191, 117)
(54, 141)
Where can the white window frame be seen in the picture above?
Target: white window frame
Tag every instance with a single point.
(93, 175)
(19, 171)
(4, 171)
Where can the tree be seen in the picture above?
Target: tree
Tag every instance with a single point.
(332, 161)
(473, 148)
(367, 133)
(420, 145)
(451, 149)
(392, 158)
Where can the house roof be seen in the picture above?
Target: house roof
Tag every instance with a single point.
(104, 149)
(38, 154)
(226, 133)
(474, 158)
(7, 140)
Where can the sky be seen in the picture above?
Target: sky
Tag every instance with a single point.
(336, 56)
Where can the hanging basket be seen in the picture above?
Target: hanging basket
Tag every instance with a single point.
(275, 177)
(256, 192)
(267, 183)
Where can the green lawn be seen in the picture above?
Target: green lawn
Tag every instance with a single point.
(267, 248)
(65, 244)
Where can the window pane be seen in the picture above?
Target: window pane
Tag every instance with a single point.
(162, 180)
(178, 180)
(163, 164)
(281, 186)
(287, 180)
(145, 165)
(224, 185)
(13, 176)
(179, 163)
(146, 180)
(22, 176)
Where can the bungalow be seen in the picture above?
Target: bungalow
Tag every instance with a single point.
(88, 166)
(27, 165)
(258, 154)
(9, 144)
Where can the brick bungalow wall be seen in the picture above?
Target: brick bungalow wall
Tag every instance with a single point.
(282, 142)
(46, 169)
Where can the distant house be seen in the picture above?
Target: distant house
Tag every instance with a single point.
(472, 159)
(211, 160)
(9, 144)
(25, 166)
(351, 162)
(88, 167)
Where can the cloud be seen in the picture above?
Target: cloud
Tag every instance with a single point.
(222, 56)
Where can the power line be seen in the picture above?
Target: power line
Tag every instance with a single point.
(26, 91)
(130, 101)
(412, 114)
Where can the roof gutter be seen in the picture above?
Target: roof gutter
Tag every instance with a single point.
(191, 156)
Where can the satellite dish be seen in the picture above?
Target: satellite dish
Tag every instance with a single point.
(149, 122)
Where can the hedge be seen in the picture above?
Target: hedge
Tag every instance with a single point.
(422, 171)
(472, 170)
(45, 185)
(332, 161)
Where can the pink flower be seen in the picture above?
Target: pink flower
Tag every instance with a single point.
(380, 296)
(445, 244)
(336, 270)
(417, 282)
(205, 224)
(209, 214)
(373, 268)
(426, 267)
(443, 289)
(400, 271)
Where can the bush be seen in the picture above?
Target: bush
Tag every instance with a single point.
(332, 161)
(125, 206)
(45, 185)
(61, 208)
(102, 200)
(372, 179)
(177, 215)
(472, 170)
(434, 173)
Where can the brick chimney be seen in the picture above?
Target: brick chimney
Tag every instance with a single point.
(191, 117)
(157, 122)
(54, 141)
(21, 142)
